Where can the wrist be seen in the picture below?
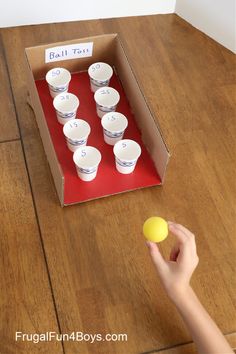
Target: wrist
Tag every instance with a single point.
(179, 294)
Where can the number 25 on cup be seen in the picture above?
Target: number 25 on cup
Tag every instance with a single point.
(105, 92)
(67, 97)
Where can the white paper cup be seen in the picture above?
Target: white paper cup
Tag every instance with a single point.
(76, 132)
(114, 125)
(87, 160)
(126, 153)
(100, 74)
(66, 105)
(106, 99)
(58, 80)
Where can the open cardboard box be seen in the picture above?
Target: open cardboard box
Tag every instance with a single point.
(106, 48)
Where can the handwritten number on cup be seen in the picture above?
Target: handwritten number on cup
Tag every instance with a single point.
(105, 92)
(83, 153)
(56, 72)
(67, 97)
(112, 118)
(96, 67)
(74, 125)
(124, 145)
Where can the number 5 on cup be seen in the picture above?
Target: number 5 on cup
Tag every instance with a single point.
(83, 153)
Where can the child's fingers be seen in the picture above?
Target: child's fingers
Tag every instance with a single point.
(180, 235)
(184, 229)
(189, 235)
(187, 246)
(156, 256)
(174, 253)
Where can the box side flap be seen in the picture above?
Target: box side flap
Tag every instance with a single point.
(34, 102)
(151, 134)
(103, 50)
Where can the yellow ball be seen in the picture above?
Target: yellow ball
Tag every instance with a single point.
(155, 229)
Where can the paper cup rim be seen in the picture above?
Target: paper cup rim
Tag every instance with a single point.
(84, 124)
(116, 96)
(139, 150)
(123, 118)
(88, 148)
(76, 104)
(99, 79)
(64, 71)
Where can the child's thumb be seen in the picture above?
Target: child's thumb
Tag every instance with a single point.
(156, 256)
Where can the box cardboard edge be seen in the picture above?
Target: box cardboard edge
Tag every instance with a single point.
(147, 132)
(34, 102)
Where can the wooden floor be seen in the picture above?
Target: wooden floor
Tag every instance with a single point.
(86, 268)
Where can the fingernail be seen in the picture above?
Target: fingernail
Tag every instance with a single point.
(147, 244)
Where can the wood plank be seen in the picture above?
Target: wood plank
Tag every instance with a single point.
(102, 277)
(191, 348)
(9, 129)
(26, 303)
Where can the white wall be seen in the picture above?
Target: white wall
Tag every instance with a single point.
(216, 18)
(25, 12)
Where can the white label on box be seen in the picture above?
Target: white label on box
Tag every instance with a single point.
(71, 51)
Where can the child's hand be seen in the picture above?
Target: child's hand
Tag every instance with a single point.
(175, 274)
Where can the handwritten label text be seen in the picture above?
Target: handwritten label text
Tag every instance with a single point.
(71, 51)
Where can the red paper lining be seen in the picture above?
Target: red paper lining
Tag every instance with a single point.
(108, 180)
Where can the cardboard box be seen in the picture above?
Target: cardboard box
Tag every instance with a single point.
(76, 56)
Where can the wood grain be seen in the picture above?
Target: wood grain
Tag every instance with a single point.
(9, 129)
(191, 348)
(102, 277)
(26, 303)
